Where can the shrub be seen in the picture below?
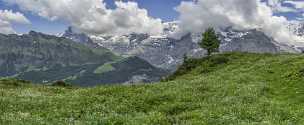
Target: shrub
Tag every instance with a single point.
(61, 84)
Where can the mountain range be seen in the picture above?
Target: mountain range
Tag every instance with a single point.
(89, 60)
(43, 58)
(167, 53)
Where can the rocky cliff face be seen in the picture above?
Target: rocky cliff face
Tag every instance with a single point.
(44, 58)
(298, 29)
(162, 52)
(247, 41)
(78, 37)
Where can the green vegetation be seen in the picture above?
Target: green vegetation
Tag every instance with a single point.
(210, 41)
(104, 68)
(225, 89)
(12, 83)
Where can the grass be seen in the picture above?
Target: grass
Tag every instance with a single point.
(226, 89)
(104, 68)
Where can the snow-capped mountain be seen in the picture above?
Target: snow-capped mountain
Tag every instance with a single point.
(297, 28)
(160, 51)
(167, 53)
(250, 41)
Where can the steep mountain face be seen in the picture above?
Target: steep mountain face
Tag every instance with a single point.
(43, 58)
(167, 53)
(297, 28)
(78, 37)
(161, 51)
(247, 41)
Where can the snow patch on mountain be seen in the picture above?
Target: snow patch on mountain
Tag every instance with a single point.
(297, 28)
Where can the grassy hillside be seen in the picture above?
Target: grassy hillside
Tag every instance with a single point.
(228, 89)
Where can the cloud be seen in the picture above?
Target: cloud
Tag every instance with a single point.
(92, 16)
(286, 6)
(277, 6)
(7, 17)
(296, 4)
(198, 15)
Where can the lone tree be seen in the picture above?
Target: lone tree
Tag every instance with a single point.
(210, 41)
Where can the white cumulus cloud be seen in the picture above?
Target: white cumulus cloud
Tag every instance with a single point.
(196, 16)
(7, 17)
(277, 6)
(296, 4)
(92, 16)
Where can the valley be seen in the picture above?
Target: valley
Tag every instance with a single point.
(42, 58)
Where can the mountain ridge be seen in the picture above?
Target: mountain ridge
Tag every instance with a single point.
(45, 58)
(165, 52)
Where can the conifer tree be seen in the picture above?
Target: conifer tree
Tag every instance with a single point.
(210, 41)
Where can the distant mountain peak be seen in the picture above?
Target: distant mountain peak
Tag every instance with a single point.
(297, 28)
(75, 35)
(33, 33)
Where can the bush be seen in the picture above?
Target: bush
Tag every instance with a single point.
(61, 84)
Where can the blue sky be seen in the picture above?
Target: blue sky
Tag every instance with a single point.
(163, 9)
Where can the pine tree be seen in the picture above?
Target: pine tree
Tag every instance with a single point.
(210, 41)
(185, 57)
